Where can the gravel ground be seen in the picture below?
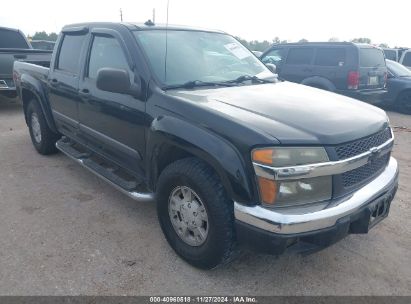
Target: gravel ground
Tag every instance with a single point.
(65, 232)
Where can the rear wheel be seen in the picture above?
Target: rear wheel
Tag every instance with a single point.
(403, 103)
(195, 214)
(42, 137)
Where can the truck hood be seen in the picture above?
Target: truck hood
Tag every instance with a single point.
(291, 113)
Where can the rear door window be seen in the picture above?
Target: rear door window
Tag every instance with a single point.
(10, 39)
(407, 59)
(371, 57)
(302, 55)
(70, 51)
(330, 57)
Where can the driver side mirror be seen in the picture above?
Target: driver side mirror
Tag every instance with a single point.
(271, 67)
(116, 81)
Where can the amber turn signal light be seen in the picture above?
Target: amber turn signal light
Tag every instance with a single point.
(268, 190)
(263, 156)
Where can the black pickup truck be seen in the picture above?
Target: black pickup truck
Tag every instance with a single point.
(14, 46)
(192, 120)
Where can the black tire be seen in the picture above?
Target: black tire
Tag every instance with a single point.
(219, 246)
(46, 143)
(403, 103)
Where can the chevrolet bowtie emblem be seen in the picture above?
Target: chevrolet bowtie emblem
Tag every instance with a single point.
(375, 152)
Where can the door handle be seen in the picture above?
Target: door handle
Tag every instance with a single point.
(54, 82)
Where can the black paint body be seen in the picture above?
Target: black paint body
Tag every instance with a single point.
(219, 125)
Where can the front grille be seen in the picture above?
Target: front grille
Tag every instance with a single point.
(348, 181)
(362, 173)
(362, 145)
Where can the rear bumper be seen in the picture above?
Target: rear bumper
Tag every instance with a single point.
(376, 95)
(270, 231)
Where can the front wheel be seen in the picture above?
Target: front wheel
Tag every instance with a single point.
(195, 214)
(42, 137)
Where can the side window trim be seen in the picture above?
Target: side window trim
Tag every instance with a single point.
(109, 34)
(114, 34)
(57, 58)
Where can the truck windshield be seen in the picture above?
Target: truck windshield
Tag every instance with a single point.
(12, 40)
(198, 56)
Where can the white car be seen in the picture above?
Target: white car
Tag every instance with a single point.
(406, 59)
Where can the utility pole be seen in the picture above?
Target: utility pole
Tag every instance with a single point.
(121, 15)
(154, 15)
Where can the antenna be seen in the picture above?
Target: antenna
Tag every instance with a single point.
(121, 15)
(165, 60)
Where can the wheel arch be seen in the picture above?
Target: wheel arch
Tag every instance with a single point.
(320, 83)
(171, 139)
(31, 88)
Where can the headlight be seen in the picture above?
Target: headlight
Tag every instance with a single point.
(278, 193)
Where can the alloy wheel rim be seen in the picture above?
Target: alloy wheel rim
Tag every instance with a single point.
(188, 216)
(35, 126)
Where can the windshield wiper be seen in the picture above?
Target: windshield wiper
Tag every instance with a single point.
(197, 83)
(254, 79)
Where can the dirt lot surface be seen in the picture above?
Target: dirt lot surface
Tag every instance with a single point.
(65, 232)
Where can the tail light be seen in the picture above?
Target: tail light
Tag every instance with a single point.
(353, 80)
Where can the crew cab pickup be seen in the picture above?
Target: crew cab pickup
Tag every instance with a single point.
(14, 46)
(190, 119)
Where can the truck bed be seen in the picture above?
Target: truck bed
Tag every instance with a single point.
(8, 57)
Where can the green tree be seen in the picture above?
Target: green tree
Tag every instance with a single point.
(333, 39)
(40, 36)
(362, 40)
(53, 36)
(256, 45)
(384, 45)
(44, 36)
(303, 40)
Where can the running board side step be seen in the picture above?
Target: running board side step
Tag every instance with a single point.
(107, 174)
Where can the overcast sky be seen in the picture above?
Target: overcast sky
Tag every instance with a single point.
(315, 20)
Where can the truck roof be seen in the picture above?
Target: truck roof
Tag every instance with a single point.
(10, 29)
(134, 26)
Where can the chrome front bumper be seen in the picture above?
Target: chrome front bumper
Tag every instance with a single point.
(282, 222)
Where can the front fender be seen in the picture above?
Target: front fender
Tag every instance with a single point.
(202, 143)
(35, 87)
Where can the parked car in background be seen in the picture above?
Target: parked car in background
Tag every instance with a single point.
(42, 44)
(405, 59)
(399, 87)
(355, 70)
(394, 54)
(231, 155)
(14, 46)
